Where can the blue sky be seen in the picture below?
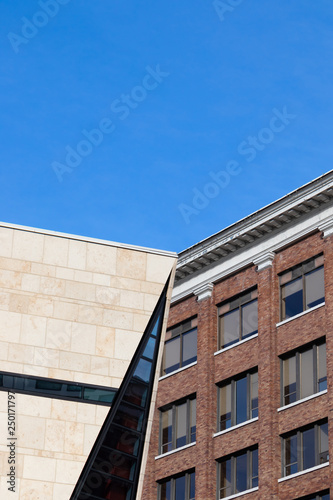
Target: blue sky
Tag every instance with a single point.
(192, 114)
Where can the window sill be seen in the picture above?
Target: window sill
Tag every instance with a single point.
(300, 314)
(235, 427)
(240, 494)
(177, 371)
(316, 467)
(316, 395)
(235, 345)
(175, 451)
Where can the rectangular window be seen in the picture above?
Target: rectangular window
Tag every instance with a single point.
(178, 425)
(238, 319)
(302, 287)
(178, 488)
(180, 347)
(303, 373)
(305, 448)
(238, 473)
(238, 400)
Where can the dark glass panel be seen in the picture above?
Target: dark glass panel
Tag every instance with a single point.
(326, 496)
(123, 440)
(241, 400)
(225, 478)
(172, 355)
(181, 420)
(189, 347)
(192, 486)
(254, 456)
(143, 370)
(105, 488)
(115, 463)
(292, 298)
(314, 288)
(47, 385)
(129, 417)
(229, 327)
(241, 473)
(323, 443)
(193, 418)
(136, 393)
(309, 454)
(98, 395)
(291, 465)
(249, 319)
(166, 490)
(225, 407)
(322, 372)
(254, 395)
(149, 351)
(166, 431)
(307, 373)
(289, 380)
(180, 484)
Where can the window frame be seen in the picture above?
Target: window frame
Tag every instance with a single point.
(315, 496)
(300, 448)
(298, 353)
(184, 329)
(236, 302)
(249, 471)
(173, 407)
(233, 382)
(173, 479)
(302, 274)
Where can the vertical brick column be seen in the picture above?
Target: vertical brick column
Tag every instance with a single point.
(205, 467)
(268, 439)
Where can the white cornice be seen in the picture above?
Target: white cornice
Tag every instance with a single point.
(326, 228)
(204, 291)
(264, 260)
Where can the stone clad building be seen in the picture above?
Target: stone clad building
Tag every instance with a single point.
(244, 402)
(72, 313)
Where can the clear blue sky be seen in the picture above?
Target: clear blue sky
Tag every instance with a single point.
(181, 92)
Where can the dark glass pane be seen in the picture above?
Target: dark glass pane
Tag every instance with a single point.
(323, 443)
(129, 417)
(321, 363)
(115, 463)
(47, 385)
(249, 319)
(123, 440)
(192, 486)
(181, 420)
(325, 497)
(254, 395)
(150, 347)
(314, 287)
(143, 370)
(309, 455)
(241, 400)
(225, 407)
(172, 355)
(166, 431)
(241, 473)
(100, 486)
(193, 418)
(291, 465)
(136, 393)
(225, 479)
(98, 395)
(1, 380)
(254, 455)
(229, 327)
(189, 347)
(166, 491)
(292, 298)
(180, 488)
(289, 380)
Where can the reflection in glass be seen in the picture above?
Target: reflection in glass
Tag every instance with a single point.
(289, 380)
(229, 325)
(171, 355)
(292, 298)
(189, 347)
(322, 372)
(225, 478)
(143, 370)
(291, 465)
(241, 473)
(314, 288)
(309, 454)
(307, 373)
(225, 407)
(181, 425)
(249, 319)
(241, 400)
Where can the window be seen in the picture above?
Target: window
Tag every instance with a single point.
(302, 287)
(305, 448)
(180, 346)
(238, 319)
(303, 373)
(238, 400)
(178, 488)
(178, 425)
(238, 473)
(324, 495)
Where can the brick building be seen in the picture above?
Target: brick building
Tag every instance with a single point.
(244, 399)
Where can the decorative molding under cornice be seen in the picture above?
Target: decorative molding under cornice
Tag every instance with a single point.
(326, 228)
(204, 291)
(263, 261)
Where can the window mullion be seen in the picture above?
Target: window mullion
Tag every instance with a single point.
(248, 396)
(316, 433)
(315, 369)
(188, 423)
(240, 322)
(173, 430)
(248, 469)
(233, 474)
(233, 403)
(299, 451)
(304, 290)
(298, 376)
(181, 350)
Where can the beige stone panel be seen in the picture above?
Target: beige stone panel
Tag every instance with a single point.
(152, 288)
(55, 435)
(125, 283)
(101, 279)
(116, 382)
(4, 350)
(105, 341)
(58, 335)
(118, 319)
(150, 302)
(90, 435)
(43, 269)
(99, 365)
(101, 414)
(125, 343)
(66, 310)
(118, 368)
(10, 279)
(140, 321)
(8, 366)
(35, 490)
(6, 241)
(107, 295)
(46, 357)
(63, 410)
(62, 491)
(84, 276)
(20, 353)
(74, 436)
(33, 330)
(131, 264)
(30, 283)
(101, 258)
(19, 303)
(35, 371)
(64, 273)
(39, 468)
(159, 267)
(10, 326)
(67, 472)
(83, 338)
(133, 300)
(88, 378)
(55, 251)
(15, 265)
(4, 301)
(31, 431)
(80, 291)
(86, 413)
(60, 374)
(89, 313)
(34, 406)
(52, 286)
(41, 306)
(28, 246)
(77, 254)
(74, 361)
